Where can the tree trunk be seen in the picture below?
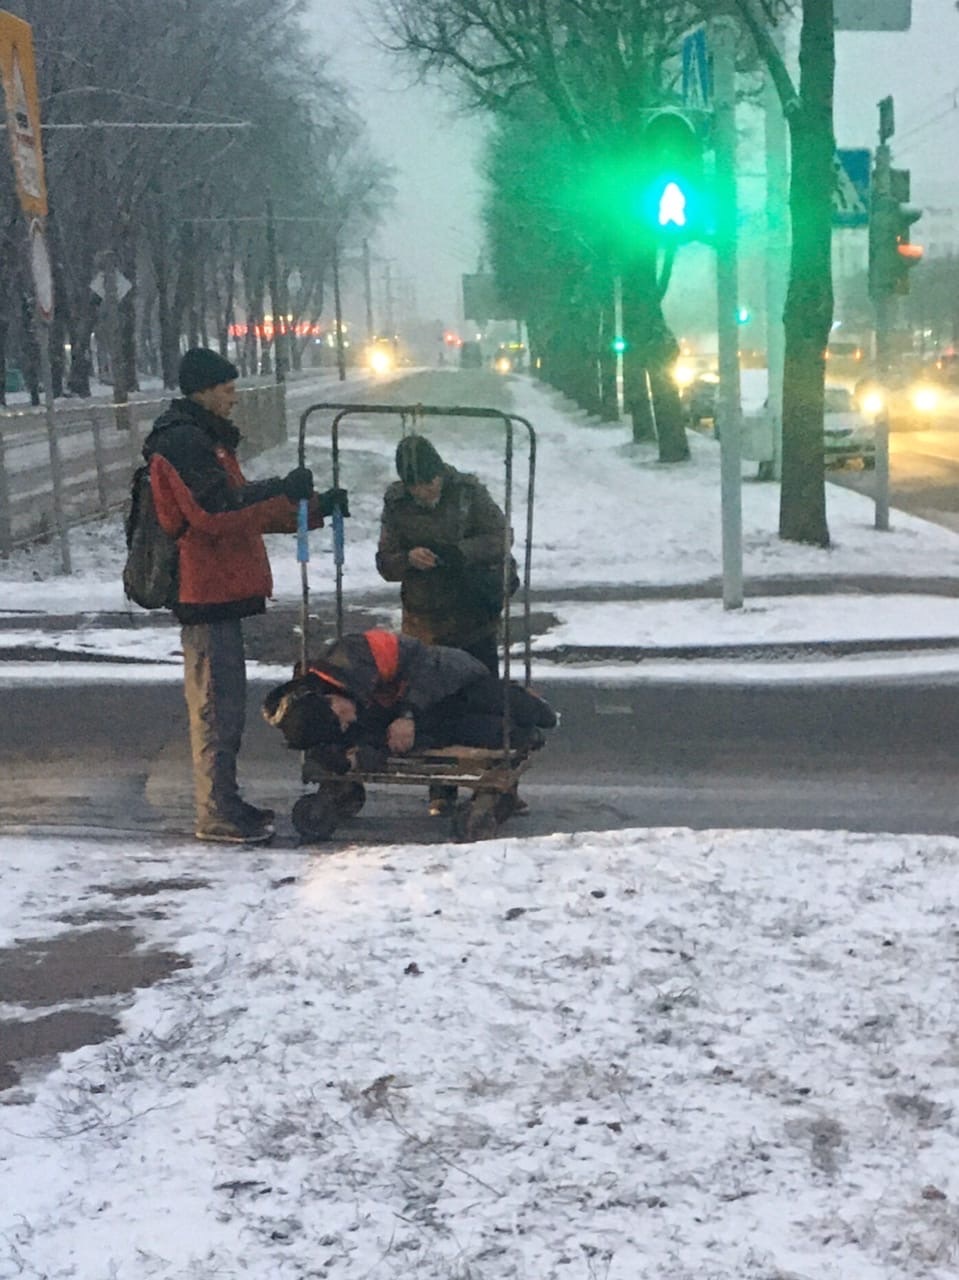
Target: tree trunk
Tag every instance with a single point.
(3, 356)
(651, 395)
(809, 301)
(127, 309)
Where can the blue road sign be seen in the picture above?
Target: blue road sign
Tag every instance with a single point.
(697, 75)
(850, 197)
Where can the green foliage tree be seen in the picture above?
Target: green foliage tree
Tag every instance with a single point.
(590, 72)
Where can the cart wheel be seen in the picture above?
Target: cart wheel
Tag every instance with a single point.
(314, 816)
(476, 819)
(347, 798)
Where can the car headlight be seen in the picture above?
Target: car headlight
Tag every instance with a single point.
(925, 399)
(503, 364)
(381, 361)
(873, 403)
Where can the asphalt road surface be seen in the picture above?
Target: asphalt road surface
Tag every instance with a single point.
(113, 758)
(923, 472)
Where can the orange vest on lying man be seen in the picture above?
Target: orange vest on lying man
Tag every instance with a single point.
(384, 648)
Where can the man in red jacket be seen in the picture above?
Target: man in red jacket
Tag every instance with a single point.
(203, 499)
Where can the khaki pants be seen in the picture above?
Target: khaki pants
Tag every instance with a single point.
(214, 681)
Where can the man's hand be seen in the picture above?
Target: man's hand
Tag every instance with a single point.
(331, 498)
(422, 558)
(400, 735)
(298, 484)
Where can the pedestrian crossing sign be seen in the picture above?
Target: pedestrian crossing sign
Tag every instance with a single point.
(850, 196)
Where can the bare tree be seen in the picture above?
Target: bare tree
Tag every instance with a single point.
(181, 207)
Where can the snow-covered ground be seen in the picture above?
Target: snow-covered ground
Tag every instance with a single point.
(641, 1055)
(656, 1054)
(607, 514)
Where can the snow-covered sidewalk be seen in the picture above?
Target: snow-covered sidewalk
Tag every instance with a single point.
(643, 1054)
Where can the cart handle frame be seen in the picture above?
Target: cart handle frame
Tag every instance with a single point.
(413, 412)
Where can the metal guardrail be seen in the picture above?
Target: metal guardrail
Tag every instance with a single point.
(100, 447)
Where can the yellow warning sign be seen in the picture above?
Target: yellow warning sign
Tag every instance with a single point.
(18, 71)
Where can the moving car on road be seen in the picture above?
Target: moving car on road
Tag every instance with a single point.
(699, 398)
(912, 403)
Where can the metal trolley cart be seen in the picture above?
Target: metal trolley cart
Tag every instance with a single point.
(489, 775)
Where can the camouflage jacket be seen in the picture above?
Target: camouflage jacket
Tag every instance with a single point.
(465, 530)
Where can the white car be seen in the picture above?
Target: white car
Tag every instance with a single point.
(848, 434)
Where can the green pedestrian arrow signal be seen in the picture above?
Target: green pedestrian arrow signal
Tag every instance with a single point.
(672, 206)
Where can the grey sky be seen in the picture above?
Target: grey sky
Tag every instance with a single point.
(920, 68)
(433, 235)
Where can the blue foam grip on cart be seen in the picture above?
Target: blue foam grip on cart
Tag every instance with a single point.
(303, 533)
(338, 536)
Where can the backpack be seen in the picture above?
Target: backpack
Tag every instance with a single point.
(150, 575)
(484, 584)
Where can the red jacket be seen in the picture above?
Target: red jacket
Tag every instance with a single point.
(202, 498)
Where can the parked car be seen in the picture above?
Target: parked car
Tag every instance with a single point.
(849, 435)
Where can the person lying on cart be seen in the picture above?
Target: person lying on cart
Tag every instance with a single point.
(382, 694)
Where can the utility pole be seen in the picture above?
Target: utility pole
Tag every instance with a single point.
(43, 317)
(280, 363)
(617, 335)
(368, 292)
(338, 311)
(106, 263)
(729, 412)
(388, 286)
(777, 260)
(882, 301)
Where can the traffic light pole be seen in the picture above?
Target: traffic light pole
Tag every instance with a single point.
(617, 330)
(881, 194)
(777, 261)
(729, 415)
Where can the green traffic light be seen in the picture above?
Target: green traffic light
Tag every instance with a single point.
(618, 346)
(743, 315)
(672, 206)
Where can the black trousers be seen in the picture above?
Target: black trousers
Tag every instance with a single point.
(473, 717)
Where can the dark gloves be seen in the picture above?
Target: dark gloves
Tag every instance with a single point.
(449, 556)
(331, 498)
(298, 485)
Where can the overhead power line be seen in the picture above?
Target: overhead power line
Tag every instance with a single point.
(931, 120)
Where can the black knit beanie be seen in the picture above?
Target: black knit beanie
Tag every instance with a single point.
(417, 461)
(201, 368)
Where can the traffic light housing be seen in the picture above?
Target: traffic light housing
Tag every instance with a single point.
(892, 255)
(672, 204)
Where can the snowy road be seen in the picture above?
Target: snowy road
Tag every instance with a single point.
(864, 756)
